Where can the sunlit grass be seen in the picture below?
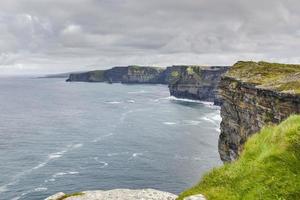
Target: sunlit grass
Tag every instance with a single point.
(269, 168)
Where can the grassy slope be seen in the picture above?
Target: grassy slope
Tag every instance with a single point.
(280, 77)
(269, 168)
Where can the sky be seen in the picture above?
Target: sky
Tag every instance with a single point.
(52, 36)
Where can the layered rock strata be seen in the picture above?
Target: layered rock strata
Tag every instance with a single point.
(196, 82)
(255, 95)
(191, 82)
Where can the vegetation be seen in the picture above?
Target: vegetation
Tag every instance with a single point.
(279, 77)
(175, 74)
(70, 195)
(269, 168)
(98, 74)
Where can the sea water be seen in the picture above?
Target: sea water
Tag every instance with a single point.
(58, 136)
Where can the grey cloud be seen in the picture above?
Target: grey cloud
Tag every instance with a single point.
(54, 35)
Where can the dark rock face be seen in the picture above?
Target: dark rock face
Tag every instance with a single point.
(196, 82)
(246, 108)
(191, 82)
(130, 74)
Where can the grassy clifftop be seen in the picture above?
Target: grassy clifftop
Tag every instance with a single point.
(275, 76)
(269, 168)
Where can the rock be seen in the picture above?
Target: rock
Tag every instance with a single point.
(120, 194)
(196, 82)
(190, 82)
(130, 74)
(56, 196)
(195, 197)
(251, 102)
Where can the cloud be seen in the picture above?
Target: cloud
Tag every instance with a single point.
(53, 35)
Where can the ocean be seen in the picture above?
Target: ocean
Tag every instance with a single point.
(58, 136)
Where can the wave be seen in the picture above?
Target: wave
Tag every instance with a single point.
(117, 154)
(169, 123)
(50, 157)
(135, 155)
(206, 103)
(138, 92)
(102, 137)
(218, 130)
(131, 101)
(191, 122)
(59, 174)
(38, 189)
(113, 102)
(103, 163)
(214, 118)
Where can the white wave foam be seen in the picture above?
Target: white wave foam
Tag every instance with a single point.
(206, 103)
(103, 163)
(40, 165)
(40, 189)
(50, 157)
(135, 155)
(117, 154)
(131, 101)
(56, 154)
(138, 92)
(77, 145)
(3, 188)
(191, 122)
(59, 174)
(212, 118)
(218, 130)
(180, 157)
(49, 180)
(102, 137)
(169, 123)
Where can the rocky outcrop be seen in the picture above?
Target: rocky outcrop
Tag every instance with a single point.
(191, 82)
(117, 194)
(196, 82)
(130, 74)
(254, 95)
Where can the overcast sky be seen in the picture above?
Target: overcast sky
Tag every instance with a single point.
(49, 36)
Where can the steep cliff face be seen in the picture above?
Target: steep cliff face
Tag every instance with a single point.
(91, 76)
(196, 82)
(137, 74)
(191, 82)
(254, 95)
(130, 74)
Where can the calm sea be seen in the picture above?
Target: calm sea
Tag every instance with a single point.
(57, 136)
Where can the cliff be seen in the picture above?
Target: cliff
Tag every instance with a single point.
(196, 82)
(130, 74)
(269, 168)
(254, 95)
(191, 82)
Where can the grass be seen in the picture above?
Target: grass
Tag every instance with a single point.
(70, 195)
(268, 169)
(279, 77)
(98, 74)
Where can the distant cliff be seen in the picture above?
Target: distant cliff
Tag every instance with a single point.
(191, 82)
(130, 74)
(254, 95)
(196, 82)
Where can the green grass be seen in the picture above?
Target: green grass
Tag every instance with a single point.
(70, 195)
(98, 74)
(279, 77)
(268, 169)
